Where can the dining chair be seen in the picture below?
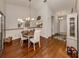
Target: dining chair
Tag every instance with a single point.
(36, 38)
(23, 37)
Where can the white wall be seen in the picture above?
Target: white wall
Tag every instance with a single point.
(2, 6)
(55, 25)
(14, 34)
(52, 25)
(63, 25)
(78, 22)
(46, 18)
(13, 12)
(78, 7)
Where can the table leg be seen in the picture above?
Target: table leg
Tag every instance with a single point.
(28, 42)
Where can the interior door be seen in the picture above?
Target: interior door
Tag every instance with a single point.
(52, 25)
(0, 35)
(2, 31)
(63, 26)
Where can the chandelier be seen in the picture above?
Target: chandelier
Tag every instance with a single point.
(27, 18)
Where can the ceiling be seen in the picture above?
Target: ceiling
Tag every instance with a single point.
(37, 4)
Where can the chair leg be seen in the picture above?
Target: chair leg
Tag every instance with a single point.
(34, 46)
(28, 43)
(21, 42)
(39, 44)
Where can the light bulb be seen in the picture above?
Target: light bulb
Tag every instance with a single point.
(20, 20)
(62, 18)
(32, 19)
(28, 18)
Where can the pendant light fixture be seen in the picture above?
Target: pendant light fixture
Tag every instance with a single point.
(29, 18)
(45, 1)
(29, 10)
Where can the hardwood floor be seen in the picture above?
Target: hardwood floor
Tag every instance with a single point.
(50, 48)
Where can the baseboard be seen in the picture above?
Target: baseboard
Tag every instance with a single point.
(12, 40)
